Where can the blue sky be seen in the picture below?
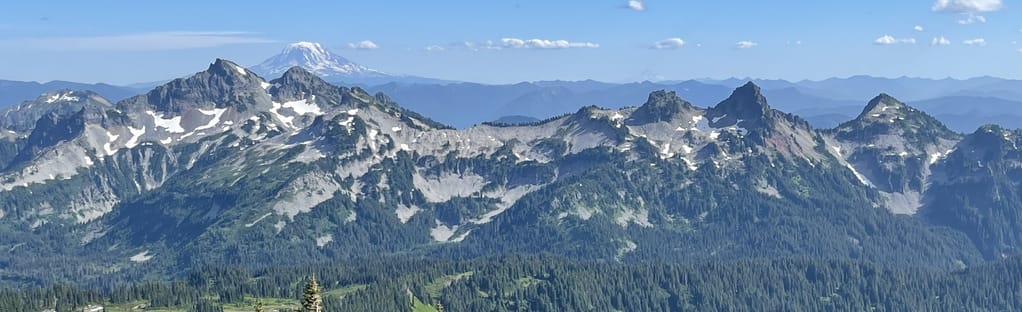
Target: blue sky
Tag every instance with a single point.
(138, 41)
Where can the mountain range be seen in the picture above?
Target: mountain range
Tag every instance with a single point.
(227, 167)
(964, 105)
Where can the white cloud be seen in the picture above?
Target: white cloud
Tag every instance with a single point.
(544, 44)
(918, 28)
(669, 43)
(476, 46)
(435, 48)
(972, 19)
(516, 43)
(746, 44)
(979, 42)
(363, 45)
(636, 5)
(967, 6)
(940, 41)
(889, 40)
(153, 41)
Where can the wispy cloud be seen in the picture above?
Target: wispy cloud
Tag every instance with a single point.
(969, 9)
(890, 40)
(152, 41)
(918, 28)
(971, 18)
(435, 48)
(940, 41)
(668, 44)
(539, 44)
(979, 42)
(746, 44)
(636, 5)
(967, 6)
(363, 45)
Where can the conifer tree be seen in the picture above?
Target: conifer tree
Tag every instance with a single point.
(312, 301)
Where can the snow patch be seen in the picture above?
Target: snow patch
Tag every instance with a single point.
(108, 147)
(446, 186)
(172, 125)
(135, 135)
(62, 97)
(443, 233)
(405, 213)
(141, 257)
(259, 219)
(240, 70)
(216, 113)
(323, 240)
(305, 193)
(507, 199)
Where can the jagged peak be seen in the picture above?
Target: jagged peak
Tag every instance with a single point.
(662, 105)
(745, 103)
(881, 104)
(301, 79)
(748, 97)
(297, 72)
(227, 68)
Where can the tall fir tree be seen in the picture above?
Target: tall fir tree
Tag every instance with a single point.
(312, 300)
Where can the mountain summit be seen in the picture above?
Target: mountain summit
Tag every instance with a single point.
(314, 58)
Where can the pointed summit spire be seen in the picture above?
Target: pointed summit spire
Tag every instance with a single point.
(745, 103)
(224, 67)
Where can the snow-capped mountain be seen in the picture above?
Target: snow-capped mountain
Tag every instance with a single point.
(334, 68)
(314, 58)
(296, 165)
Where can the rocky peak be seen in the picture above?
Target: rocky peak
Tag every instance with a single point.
(660, 106)
(882, 104)
(223, 84)
(65, 102)
(225, 68)
(991, 141)
(884, 114)
(746, 107)
(298, 81)
(51, 129)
